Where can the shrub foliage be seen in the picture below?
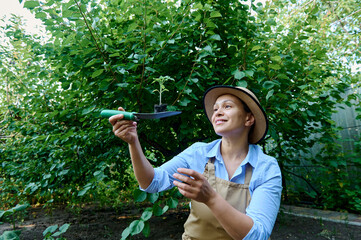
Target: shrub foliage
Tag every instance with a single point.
(295, 55)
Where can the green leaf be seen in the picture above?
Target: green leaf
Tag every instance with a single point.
(139, 195)
(20, 207)
(310, 113)
(62, 230)
(40, 15)
(50, 230)
(299, 123)
(10, 235)
(147, 214)
(215, 14)
(91, 62)
(172, 202)
(158, 211)
(146, 229)
(97, 73)
(255, 48)
(282, 76)
(268, 84)
(126, 233)
(249, 73)
(84, 191)
(103, 86)
(153, 197)
(242, 83)
(114, 55)
(238, 74)
(2, 213)
(275, 66)
(184, 102)
(276, 58)
(269, 94)
(216, 37)
(31, 4)
(136, 227)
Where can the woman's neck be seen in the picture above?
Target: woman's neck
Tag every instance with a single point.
(235, 149)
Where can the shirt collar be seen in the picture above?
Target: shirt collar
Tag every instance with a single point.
(215, 151)
(251, 156)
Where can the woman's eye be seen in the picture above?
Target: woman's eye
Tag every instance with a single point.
(215, 109)
(228, 106)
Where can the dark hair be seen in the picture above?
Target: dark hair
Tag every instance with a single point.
(245, 107)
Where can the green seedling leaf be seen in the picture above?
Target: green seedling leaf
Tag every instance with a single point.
(136, 227)
(146, 229)
(10, 235)
(172, 203)
(147, 214)
(153, 197)
(2, 213)
(139, 195)
(158, 211)
(22, 207)
(62, 230)
(50, 230)
(126, 233)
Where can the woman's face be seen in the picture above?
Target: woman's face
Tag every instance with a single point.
(229, 116)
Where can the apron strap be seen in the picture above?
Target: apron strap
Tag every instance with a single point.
(210, 171)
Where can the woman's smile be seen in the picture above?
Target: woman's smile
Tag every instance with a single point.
(220, 121)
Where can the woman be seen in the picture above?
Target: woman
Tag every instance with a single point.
(235, 189)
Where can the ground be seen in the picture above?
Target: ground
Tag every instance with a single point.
(107, 224)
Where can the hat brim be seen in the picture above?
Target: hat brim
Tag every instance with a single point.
(260, 128)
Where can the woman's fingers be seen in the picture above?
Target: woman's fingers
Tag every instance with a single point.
(116, 118)
(189, 172)
(193, 185)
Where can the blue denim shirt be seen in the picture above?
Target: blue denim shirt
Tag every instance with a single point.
(265, 186)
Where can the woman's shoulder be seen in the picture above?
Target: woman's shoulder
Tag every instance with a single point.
(265, 168)
(263, 160)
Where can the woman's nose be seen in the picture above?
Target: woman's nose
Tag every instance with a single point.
(219, 112)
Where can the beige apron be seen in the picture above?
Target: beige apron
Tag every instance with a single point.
(201, 223)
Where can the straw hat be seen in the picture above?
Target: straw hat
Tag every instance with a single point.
(260, 126)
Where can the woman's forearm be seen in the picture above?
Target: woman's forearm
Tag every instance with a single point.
(142, 168)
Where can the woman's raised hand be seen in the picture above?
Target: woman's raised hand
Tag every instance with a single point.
(124, 129)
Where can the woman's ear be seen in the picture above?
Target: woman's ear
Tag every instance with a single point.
(249, 120)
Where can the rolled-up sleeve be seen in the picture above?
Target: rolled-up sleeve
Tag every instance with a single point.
(163, 175)
(265, 203)
(160, 182)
